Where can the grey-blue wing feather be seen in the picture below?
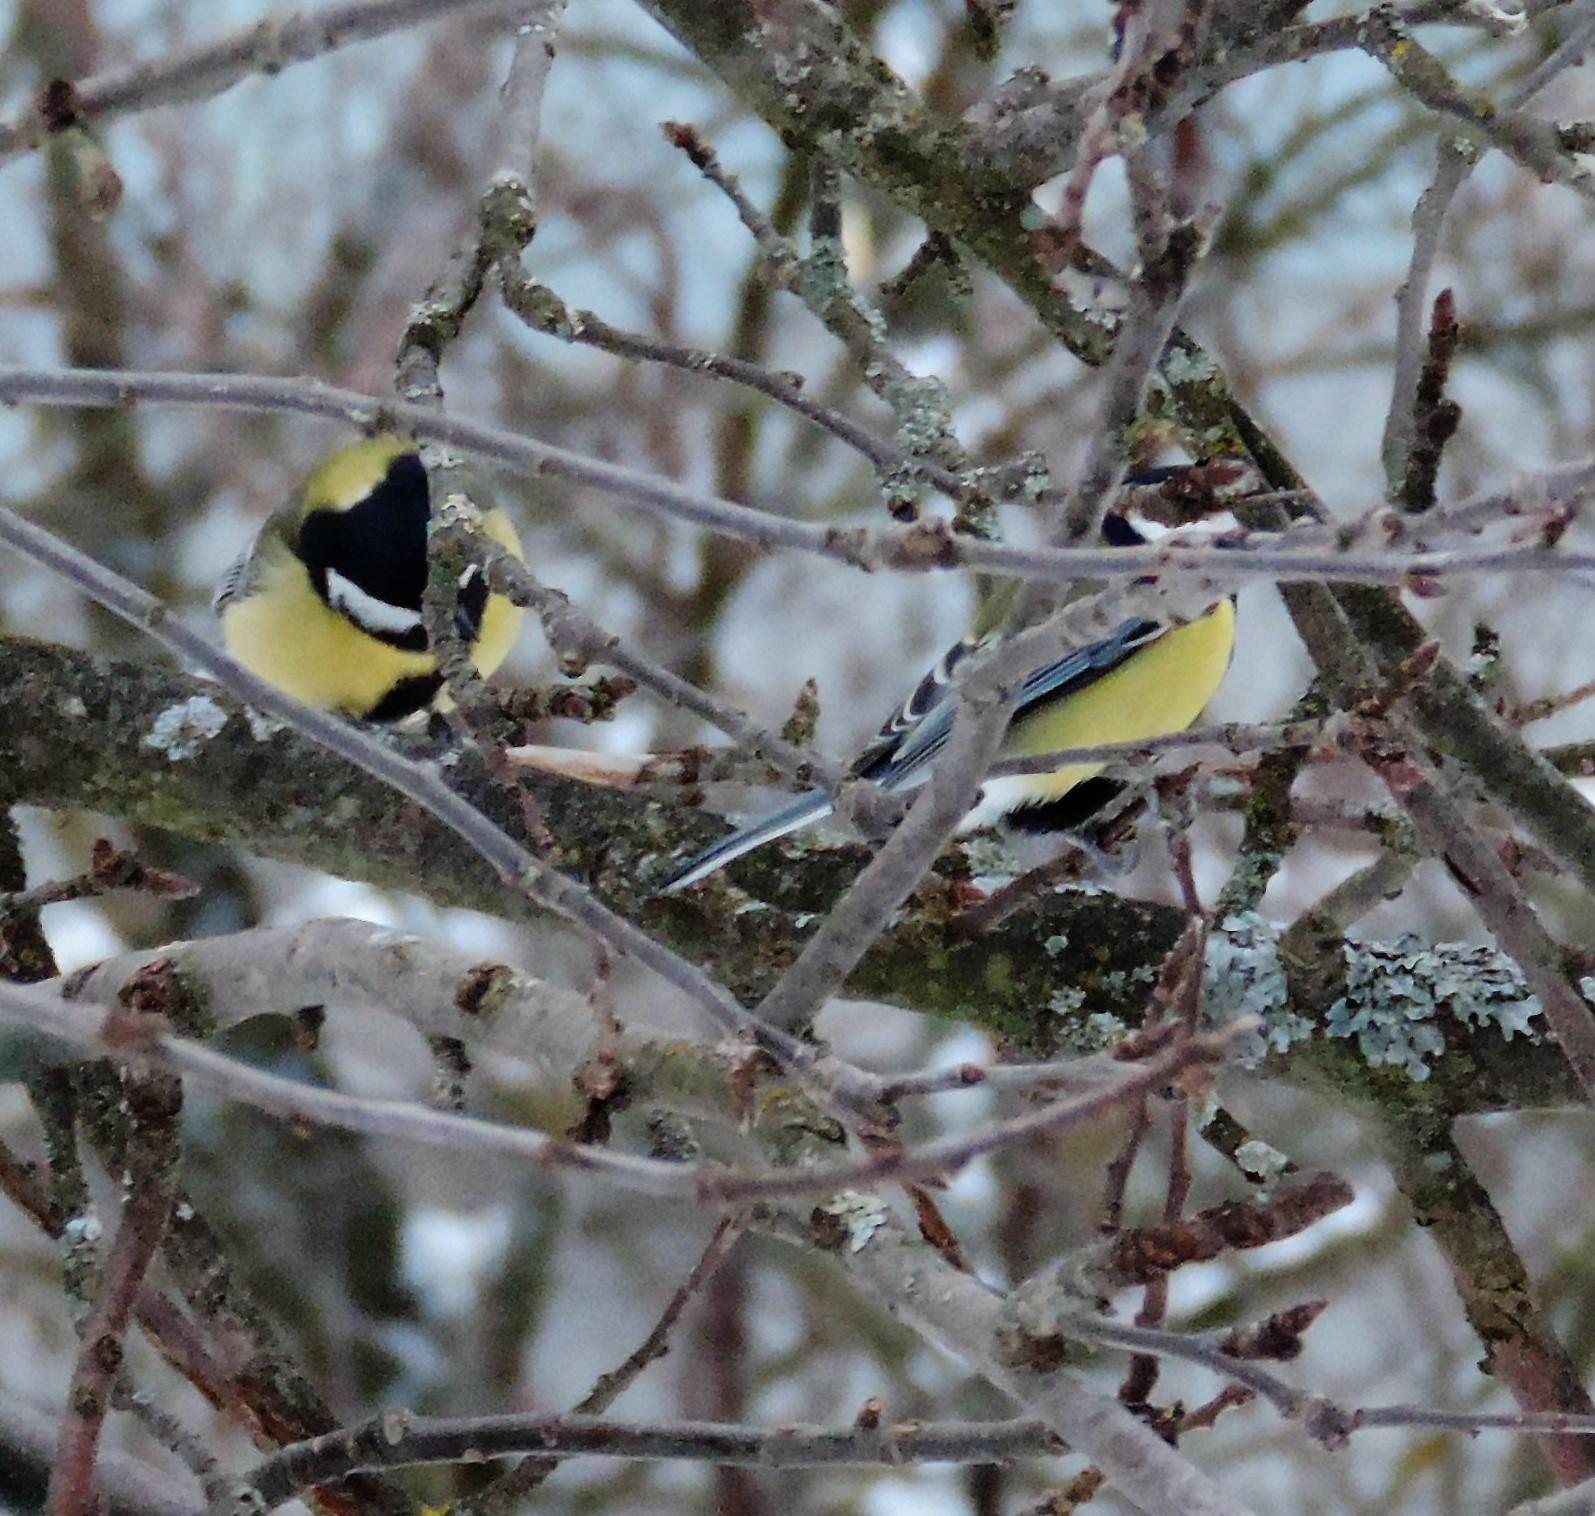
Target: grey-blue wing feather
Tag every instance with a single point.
(901, 754)
(911, 714)
(808, 808)
(905, 760)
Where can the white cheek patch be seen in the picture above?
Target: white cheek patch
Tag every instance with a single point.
(366, 610)
(1152, 532)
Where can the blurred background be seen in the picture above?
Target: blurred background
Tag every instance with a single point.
(288, 226)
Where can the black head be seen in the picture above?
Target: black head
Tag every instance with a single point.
(378, 546)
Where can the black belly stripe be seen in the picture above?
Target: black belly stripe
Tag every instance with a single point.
(1069, 811)
(406, 697)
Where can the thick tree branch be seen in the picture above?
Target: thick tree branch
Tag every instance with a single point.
(247, 782)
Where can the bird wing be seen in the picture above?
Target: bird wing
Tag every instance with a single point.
(273, 536)
(240, 575)
(900, 756)
(234, 580)
(910, 717)
(791, 818)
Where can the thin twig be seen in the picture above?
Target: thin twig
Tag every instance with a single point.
(1527, 140)
(960, 1315)
(1456, 161)
(502, 1496)
(129, 1485)
(519, 868)
(920, 404)
(572, 634)
(979, 721)
(398, 1439)
(154, 1099)
(542, 310)
(110, 869)
(267, 47)
(705, 1184)
(927, 546)
(505, 222)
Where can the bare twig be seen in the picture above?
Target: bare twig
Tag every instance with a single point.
(268, 47)
(1435, 415)
(847, 933)
(1456, 161)
(28, 1437)
(920, 404)
(519, 868)
(926, 546)
(505, 221)
(398, 1439)
(1528, 141)
(87, 1029)
(502, 1496)
(1137, 348)
(154, 1099)
(960, 1315)
(575, 636)
(110, 869)
(542, 310)
(696, 767)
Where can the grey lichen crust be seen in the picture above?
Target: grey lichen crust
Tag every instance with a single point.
(1243, 976)
(1393, 1001)
(1397, 993)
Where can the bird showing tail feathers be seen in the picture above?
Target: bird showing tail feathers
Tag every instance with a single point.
(812, 807)
(1144, 679)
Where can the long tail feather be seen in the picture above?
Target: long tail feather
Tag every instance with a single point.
(791, 819)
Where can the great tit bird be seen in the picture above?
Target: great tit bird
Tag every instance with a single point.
(1143, 680)
(325, 602)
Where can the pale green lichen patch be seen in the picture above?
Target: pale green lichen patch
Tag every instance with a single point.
(1243, 976)
(182, 731)
(989, 859)
(1068, 1000)
(261, 726)
(1261, 1161)
(1391, 1004)
(1396, 992)
(1100, 1031)
(1188, 366)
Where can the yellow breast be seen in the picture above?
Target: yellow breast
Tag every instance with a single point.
(284, 632)
(1159, 689)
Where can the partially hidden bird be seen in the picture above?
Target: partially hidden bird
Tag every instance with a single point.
(325, 601)
(1144, 679)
